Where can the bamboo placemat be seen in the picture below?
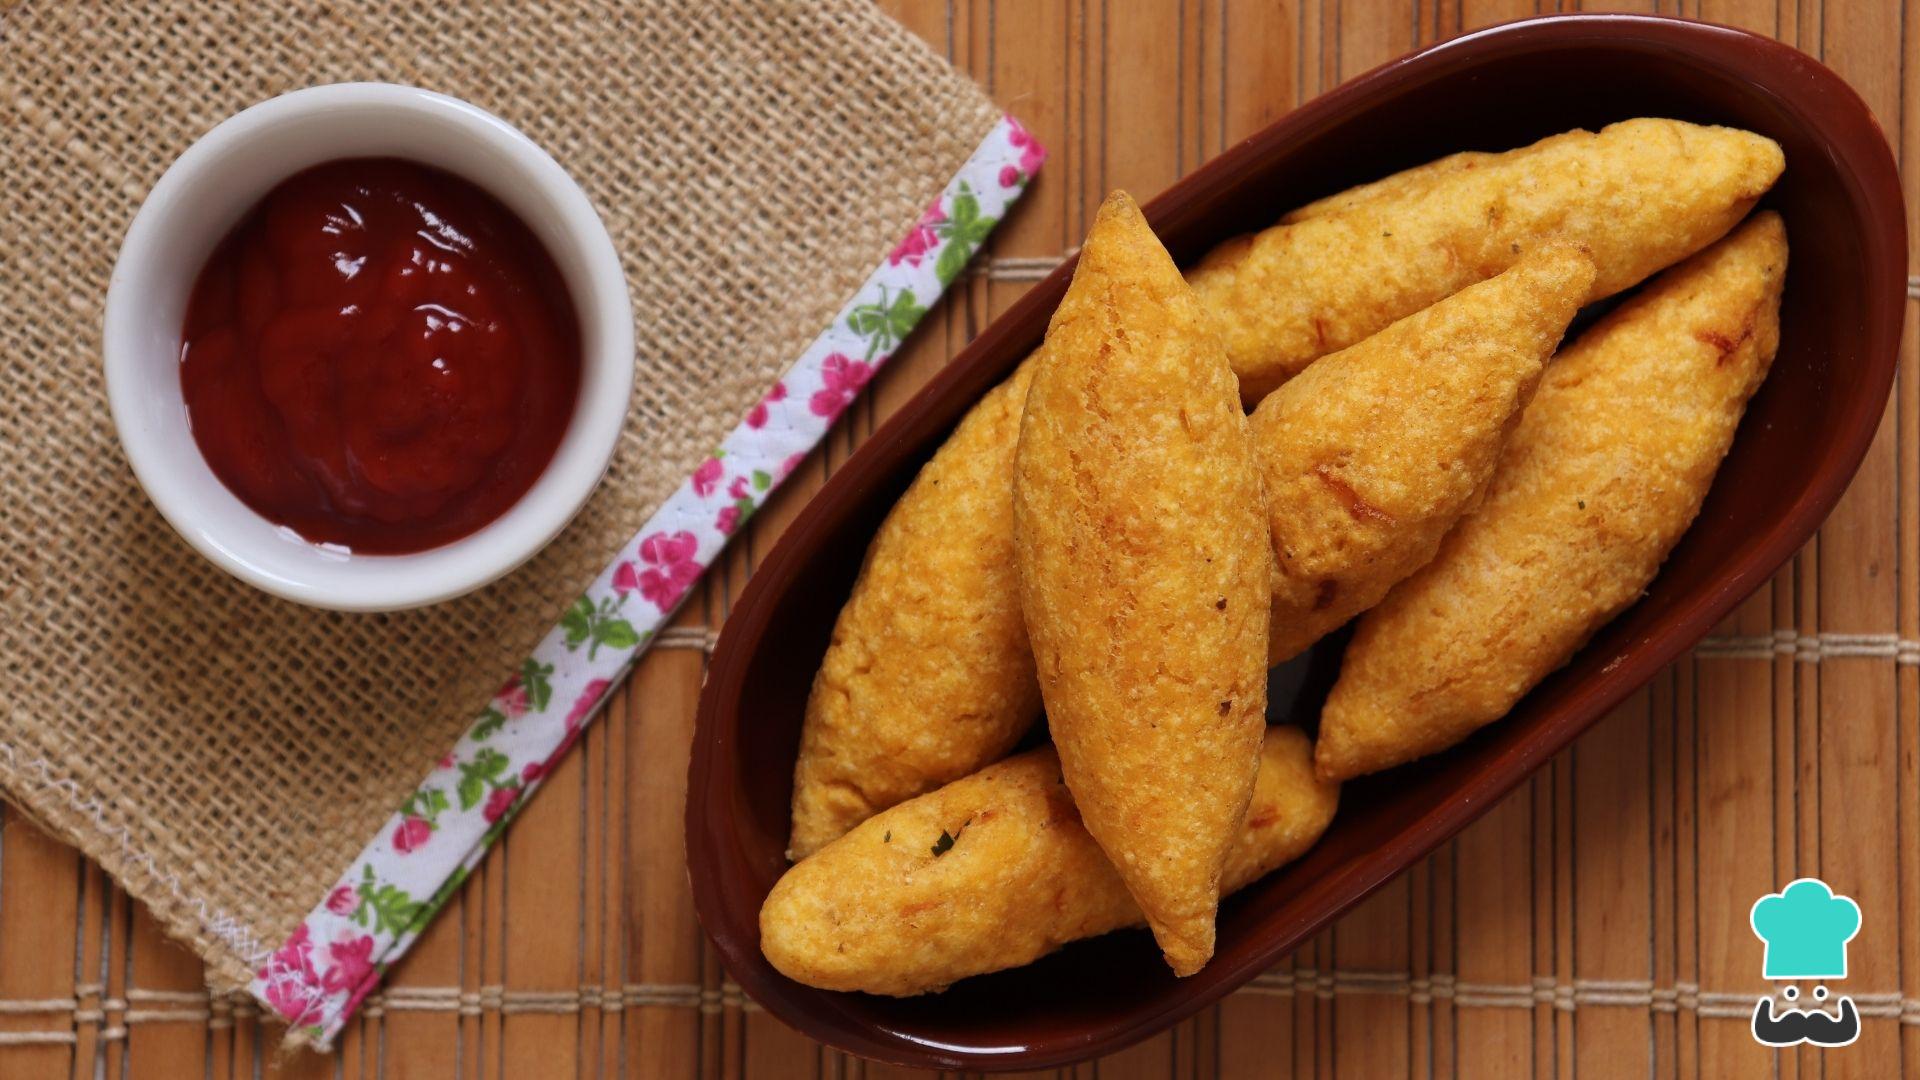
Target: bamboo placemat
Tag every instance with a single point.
(1593, 924)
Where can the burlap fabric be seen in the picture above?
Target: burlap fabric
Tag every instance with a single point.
(225, 754)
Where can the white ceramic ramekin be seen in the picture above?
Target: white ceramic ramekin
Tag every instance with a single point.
(206, 192)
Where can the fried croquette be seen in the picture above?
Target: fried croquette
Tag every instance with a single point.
(995, 870)
(1145, 574)
(928, 675)
(1638, 196)
(1605, 471)
(1373, 453)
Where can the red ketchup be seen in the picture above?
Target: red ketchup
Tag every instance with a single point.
(379, 356)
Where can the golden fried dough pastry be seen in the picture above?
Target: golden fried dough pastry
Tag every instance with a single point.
(1145, 574)
(1639, 195)
(1373, 453)
(1604, 472)
(929, 670)
(994, 871)
(928, 676)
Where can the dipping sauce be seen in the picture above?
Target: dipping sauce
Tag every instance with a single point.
(380, 356)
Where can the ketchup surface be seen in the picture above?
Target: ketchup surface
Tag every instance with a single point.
(379, 356)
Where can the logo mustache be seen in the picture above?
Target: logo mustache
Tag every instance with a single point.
(1805, 1025)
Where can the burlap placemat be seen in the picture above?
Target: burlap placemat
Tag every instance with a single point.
(225, 754)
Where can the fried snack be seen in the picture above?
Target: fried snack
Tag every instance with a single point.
(1373, 453)
(1639, 195)
(928, 676)
(994, 871)
(1603, 474)
(1145, 574)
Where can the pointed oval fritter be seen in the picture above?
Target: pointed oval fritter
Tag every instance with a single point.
(1145, 574)
(1373, 453)
(994, 871)
(1605, 471)
(1638, 196)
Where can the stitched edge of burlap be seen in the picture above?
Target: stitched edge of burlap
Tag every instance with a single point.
(224, 754)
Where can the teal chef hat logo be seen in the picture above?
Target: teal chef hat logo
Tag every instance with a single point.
(1806, 929)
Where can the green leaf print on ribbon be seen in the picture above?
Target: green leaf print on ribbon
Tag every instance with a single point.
(536, 676)
(963, 231)
(886, 322)
(594, 625)
(491, 720)
(480, 775)
(389, 906)
(427, 803)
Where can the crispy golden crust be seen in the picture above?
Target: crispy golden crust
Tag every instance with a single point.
(1373, 453)
(928, 676)
(1639, 195)
(1145, 574)
(1605, 471)
(878, 911)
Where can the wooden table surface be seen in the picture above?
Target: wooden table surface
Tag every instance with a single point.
(1593, 924)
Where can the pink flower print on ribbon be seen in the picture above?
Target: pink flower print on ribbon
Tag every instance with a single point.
(412, 833)
(501, 801)
(590, 696)
(342, 901)
(920, 239)
(1031, 154)
(793, 462)
(353, 1002)
(843, 377)
(671, 568)
(626, 578)
(295, 1001)
(352, 963)
(293, 988)
(512, 698)
(707, 476)
(757, 416)
(728, 519)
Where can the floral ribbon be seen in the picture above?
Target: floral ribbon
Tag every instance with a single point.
(425, 851)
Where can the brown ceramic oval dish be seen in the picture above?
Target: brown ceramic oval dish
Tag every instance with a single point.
(1803, 437)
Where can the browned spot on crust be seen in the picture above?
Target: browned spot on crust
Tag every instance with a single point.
(1262, 818)
(1319, 332)
(1226, 707)
(1360, 508)
(908, 911)
(1726, 345)
(1323, 599)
